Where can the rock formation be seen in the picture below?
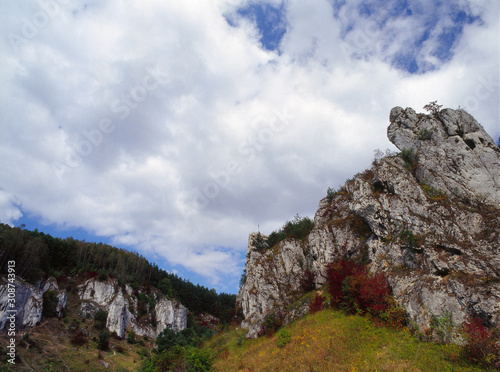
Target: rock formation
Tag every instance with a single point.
(28, 301)
(121, 306)
(428, 218)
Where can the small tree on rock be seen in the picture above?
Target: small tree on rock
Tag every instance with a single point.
(433, 107)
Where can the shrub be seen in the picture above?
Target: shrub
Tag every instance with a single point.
(409, 157)
(165, 340)
(443, 326)
(330, 194)
(480, 343)
(433, 107)
(243, 278)
(260, 243)
(307, 282)
(131, 337)
(298, 229)
(198, 360)
(78, 338)
(273, 322)
(284, 337)
(433, 193)
(50, 301)
(103, 341)
(408, 239)
(353, 289)
(337, 272)
(100, 319)
(317, 304)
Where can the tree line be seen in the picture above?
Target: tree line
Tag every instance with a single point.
(38, 255)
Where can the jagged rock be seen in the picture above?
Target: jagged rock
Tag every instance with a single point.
(28, 301)
(453, 152)
(121, 307)
(429, 220)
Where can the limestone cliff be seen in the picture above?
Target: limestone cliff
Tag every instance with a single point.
(121, 304)
(122, 307)
(28, 301)
(428, 218)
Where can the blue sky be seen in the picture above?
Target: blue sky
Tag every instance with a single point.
(176, 128)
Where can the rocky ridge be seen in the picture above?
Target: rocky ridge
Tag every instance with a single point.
(428, 218)
(120, 304)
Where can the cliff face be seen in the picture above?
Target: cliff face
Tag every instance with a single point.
(121, 306)
(28, 301)
(123, 312)
(429, 219)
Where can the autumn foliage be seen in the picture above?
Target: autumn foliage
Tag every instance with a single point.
(355, 290)
(481, 343)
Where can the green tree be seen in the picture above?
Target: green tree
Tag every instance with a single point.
(165, 340)
(166, 287)
(103, 340)
(50, 301)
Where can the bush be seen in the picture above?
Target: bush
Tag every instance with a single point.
(307, 282)
(298, 229)
(317, 304)
(198, 360)
(50, 301)
(273, 322)
(78, 338)
(100, 319)
(480, 343)
(165, 340)
(337, 271)
(260, 243)
(354, 290)
(444, 327)
(131, 337)
(433, 107)
(103, 341)
(408, 239)
(284, 337)
(409, 156)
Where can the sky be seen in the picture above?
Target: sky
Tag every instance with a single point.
(176, 128)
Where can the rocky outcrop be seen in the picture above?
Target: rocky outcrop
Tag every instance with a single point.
(28, 303)
(122, 304)
(428, 218)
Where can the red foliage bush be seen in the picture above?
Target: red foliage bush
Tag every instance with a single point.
(353, 289)
(92, 274)
(317, 304)
(307, 282)
(480, 343)
(274, 320)
(337, 271)
(78, 338)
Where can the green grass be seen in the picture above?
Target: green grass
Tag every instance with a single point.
(332, 341)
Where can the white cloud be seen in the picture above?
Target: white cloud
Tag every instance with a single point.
(114, 118)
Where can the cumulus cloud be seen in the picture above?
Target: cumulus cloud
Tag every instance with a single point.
(176, 128)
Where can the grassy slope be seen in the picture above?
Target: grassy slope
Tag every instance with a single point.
(333, 341)
(49, 347)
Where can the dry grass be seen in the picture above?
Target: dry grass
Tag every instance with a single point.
(49, 348)
(332, 341)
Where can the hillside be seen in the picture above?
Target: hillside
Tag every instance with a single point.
(333, 341)
(80, 306)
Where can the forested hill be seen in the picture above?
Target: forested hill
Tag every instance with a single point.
(40, 255)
